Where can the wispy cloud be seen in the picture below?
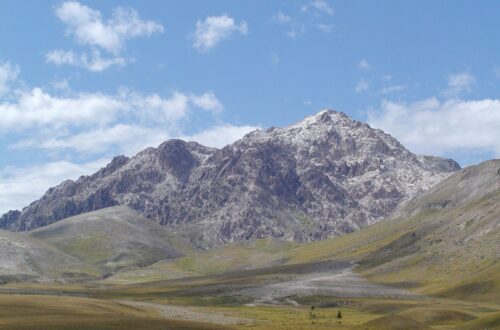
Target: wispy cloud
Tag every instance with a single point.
(275, 58)
(459, 83)
(8, 74)
(392, 89)
(496, 71)
(364, 65)
(326, 28)
(319, 5)
(92, 62)
(214, 29)
(282, 18)
(294, 28)
(323, 6)
(362, 86)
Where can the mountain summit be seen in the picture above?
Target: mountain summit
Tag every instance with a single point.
(323, 176)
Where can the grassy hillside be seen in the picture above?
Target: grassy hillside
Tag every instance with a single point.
(25, 259)
(448, 249)
(113, 239)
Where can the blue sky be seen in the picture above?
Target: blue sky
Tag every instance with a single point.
(83, 81)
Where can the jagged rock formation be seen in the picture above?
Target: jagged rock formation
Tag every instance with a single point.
(324, 176)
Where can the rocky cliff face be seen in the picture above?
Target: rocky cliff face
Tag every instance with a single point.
(321, 177)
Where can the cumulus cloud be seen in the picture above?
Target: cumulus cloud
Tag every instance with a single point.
(207, 101)
(214, 29)
(88, 27)
(8, 74)
(21, 185)
(459, 83)
(434, 127)
(37, 108)
(123, 138)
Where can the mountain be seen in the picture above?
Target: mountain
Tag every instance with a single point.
(324, 176)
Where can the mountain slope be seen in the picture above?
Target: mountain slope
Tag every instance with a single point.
(446, 249)
(324, 176)
(112, 239)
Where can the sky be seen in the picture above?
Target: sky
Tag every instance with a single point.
(83, 81)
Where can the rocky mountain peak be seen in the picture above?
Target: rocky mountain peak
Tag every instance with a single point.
(323, 176)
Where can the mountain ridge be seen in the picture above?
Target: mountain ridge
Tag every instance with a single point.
(323, 176)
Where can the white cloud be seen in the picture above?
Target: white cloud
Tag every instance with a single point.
(95, 62)
(61, 85)
(121, 138)
(327, 28)
(8, 74)
(214, 29)
(220, 135)
(207, 101)
(21, 185)
(295, 29)
(434, 127)
(323, 6)
(37, 108)
(130, 139)
(496, 71)
(364, 65)
(392, 89)
(88, 27)
(459, 83)
(275, 58)
(282, 18)
(361, 86)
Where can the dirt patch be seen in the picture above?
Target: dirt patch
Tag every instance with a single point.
(337, 282)
(172, 312)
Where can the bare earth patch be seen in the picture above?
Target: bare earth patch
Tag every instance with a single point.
(171, 312)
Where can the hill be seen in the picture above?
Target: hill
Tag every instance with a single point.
(112, 239)
(27, 259)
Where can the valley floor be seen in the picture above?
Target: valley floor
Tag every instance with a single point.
(300, 296)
